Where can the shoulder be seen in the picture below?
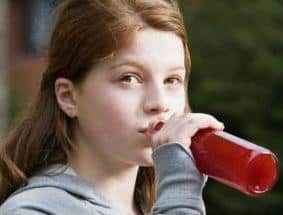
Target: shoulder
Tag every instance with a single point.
(42, 200)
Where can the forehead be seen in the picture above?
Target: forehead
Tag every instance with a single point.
(154, 47)
(156, 52)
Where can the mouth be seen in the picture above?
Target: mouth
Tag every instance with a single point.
(142, 130)
(146, 132)
(154, 127)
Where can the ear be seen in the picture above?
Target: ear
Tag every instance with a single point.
(66, 95)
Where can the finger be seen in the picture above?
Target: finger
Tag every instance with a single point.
(205, 121)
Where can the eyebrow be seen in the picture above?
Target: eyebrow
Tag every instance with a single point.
(131, 63)
(143, 67)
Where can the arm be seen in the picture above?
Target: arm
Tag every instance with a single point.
(180, 184)
(24, 211)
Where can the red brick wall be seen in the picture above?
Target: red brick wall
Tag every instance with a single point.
(24, 69)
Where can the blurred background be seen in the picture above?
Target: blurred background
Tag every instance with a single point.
(237, 75)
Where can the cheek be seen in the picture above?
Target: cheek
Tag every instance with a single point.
(177, 102)
(109, 112)
(120, 107)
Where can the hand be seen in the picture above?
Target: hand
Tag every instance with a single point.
(180, 128)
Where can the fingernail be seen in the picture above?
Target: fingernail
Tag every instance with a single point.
(159, 125)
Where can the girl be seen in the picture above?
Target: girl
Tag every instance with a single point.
(115, 69)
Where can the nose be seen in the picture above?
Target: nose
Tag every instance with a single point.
(155, 102)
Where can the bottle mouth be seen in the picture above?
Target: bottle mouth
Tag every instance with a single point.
(262, 173)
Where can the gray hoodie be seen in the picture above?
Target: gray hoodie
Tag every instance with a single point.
(179, 190)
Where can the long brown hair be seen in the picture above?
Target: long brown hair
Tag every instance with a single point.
(86, 32)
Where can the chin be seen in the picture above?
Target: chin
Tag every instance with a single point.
(141, 157)
(146, 160)
(146, 164)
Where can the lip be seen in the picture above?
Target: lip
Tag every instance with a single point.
(148, 133)
(156, 126)
(142, 130)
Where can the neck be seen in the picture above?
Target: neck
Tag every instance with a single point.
(111, 177)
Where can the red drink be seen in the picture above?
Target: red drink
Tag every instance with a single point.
(234, 161)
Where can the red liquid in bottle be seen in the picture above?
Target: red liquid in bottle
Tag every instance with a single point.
(234, 161)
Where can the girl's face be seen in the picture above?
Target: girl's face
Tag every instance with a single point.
(121, 95)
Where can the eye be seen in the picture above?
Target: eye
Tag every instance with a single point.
(129, 79)
(174, 80)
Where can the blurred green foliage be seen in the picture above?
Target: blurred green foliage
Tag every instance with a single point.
(16, 106)
(237, 75)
